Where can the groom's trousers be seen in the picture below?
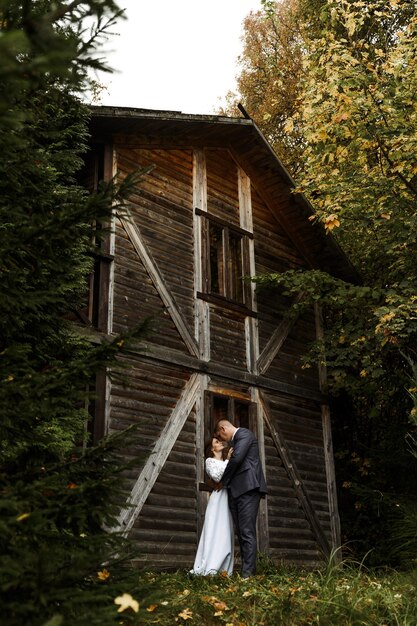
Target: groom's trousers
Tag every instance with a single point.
(244, 510)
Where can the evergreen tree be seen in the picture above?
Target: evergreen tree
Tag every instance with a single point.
(58, 565)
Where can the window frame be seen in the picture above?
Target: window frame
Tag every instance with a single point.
(232, 401)
(245, 305)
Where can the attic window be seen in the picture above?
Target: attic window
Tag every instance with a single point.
(225, 261)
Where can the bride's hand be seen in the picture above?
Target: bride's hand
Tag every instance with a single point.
(230, 452)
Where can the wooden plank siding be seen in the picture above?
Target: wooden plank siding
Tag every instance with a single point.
(292, 534)
(166, 530)
(162, 207)
(241, 343)
(227, 333)
(222, 186)
(132, 304)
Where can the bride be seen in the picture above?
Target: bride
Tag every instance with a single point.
(216, 546)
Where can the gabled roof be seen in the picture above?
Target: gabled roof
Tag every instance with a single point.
(252, 151)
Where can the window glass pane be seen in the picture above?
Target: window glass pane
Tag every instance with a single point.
(235, 267)
(241, 414)
(220, 404)
(216, 260)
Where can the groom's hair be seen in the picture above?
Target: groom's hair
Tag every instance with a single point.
(222, 422)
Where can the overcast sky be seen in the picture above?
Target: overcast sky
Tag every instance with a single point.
(177, 55)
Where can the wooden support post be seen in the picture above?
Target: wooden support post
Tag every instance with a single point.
(202, 496)
(249, 269)
(202, 308)
(328, 449)
(263, 524)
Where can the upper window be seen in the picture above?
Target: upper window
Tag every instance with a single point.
(225, 261)
(225, 268)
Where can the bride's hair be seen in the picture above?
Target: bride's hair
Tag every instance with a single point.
(208, 452)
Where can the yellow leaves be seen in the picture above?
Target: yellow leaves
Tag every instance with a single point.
(218, 605)
(387, 317)
(151, 608)
(103, 575)
(184, 593)
(350, 24)
(126, 602)
(331, 222)
(289, 126)
(322, 135)
(72, 486)
(363, 373)
(341, 117)
(267, 117)
(22, 516)
(185, 614)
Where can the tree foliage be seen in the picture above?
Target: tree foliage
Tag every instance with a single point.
(355, 114)
(58, 494)
(269, 79)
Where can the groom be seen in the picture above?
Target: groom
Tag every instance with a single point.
(245, 482)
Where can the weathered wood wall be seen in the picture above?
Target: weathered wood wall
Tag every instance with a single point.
(154, 272)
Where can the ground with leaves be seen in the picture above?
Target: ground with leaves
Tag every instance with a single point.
(349, 595)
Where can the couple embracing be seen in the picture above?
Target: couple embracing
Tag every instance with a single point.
(239, 485)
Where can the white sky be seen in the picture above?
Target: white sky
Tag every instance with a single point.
(177, 55)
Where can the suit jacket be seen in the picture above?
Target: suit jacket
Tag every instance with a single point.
(244, 470)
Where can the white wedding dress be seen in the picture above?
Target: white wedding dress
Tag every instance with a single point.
(216, 546)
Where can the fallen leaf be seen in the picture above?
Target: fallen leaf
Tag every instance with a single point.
(186, 614)
(126, 602)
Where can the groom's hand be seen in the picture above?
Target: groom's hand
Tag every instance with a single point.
(217, 486)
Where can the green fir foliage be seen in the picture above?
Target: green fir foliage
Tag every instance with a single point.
(59, 494)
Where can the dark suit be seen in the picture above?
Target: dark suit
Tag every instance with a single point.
(245, 481)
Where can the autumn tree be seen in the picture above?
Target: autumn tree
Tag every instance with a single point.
(358, 115)
(268, 83)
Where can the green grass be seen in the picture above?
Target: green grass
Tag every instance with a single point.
(334, 596)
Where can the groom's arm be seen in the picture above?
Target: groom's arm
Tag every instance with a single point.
(240, 449)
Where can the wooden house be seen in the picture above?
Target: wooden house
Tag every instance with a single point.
(216, 205)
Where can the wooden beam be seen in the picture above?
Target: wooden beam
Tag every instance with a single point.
(202, 308)
(135, 237)
(149, 353)
(202, 496)
(263, 524)
(328, 449)
(277, 339)
(246, 223)
(159, 454)
(300, 490)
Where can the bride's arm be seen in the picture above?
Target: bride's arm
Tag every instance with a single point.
(214, 469)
